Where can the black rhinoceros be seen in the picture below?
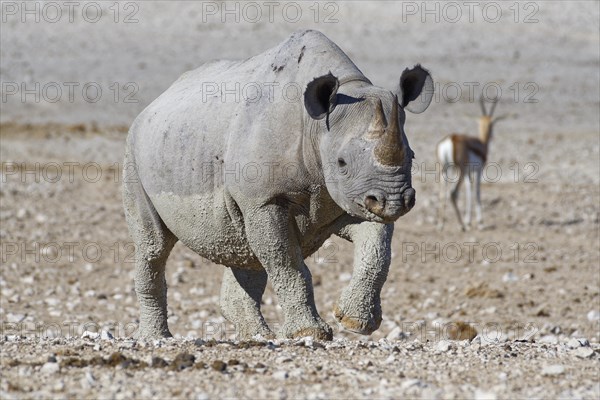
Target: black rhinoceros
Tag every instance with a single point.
(257, 182)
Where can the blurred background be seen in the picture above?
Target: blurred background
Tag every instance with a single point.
(74, 75)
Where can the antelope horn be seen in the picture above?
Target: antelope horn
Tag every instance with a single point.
(493, 106)
(378, 124)
(389, 150)
(482, 105)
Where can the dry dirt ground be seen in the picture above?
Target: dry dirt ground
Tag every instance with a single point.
(528, 284)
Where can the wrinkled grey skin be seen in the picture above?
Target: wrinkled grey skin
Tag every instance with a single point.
(258, 186)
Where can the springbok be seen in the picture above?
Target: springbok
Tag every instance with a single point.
(466, 156)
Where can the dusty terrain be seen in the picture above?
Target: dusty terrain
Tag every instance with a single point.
(529, 283)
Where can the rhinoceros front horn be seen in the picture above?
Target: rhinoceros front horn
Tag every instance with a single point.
(378, 123)
(389, 150)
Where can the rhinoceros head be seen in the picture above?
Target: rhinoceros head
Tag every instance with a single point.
(364, 151)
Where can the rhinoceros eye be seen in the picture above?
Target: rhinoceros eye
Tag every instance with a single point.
(341, 162)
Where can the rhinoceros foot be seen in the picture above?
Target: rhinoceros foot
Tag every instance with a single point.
(316, 333)
(356, 325)
(149, 333)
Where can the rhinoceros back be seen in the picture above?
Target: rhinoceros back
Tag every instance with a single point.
(189, 127)
(192, 143)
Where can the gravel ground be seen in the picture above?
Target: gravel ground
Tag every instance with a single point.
(125, 369)
(535, 291)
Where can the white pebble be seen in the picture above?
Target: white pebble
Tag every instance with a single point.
(52, 301)
(106, 335)
(443, 346)
(583, 352)
(15, 318)
(90, 335)
(345, 277)
(593, 316)
(22, 213)
(390, 359)
(396, 334)
(573, 343)
(90, 379)
(548, 339)
(50, 368)
(280, 375)
(484, 395)
(553, 370)
(410, 383)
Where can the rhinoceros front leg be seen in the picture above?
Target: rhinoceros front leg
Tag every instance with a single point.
(359, 306)
(273, 238)
(241, 292)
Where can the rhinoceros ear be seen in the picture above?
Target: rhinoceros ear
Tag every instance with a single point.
(320, 96)
(416, 89)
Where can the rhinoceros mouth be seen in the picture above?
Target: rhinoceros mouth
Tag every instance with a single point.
(368, 214)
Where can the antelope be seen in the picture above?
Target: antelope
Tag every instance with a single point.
(466, 155)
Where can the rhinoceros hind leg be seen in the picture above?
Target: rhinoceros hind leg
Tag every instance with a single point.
(153, 243)
(241, 293)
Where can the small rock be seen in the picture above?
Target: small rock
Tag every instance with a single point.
(345, 276)
(280, 375)
(461, 331)
(218, 365)
(410, 383)
(90, 335)
(106, 335)
(50, 368)
(15, 318)
(510, 277)
(282, 359)
(573, 343)
(548, 339)
(52, 302)
(58, 386)
(550, 370)
(429, 302)
(484, 395)
(593, 316)
(390, 359)
(443, 346)
(490, 338)
(182, 361)
(115, 359)
(127, 344)
(583, 352)
(22, 213)
(260, 365)
(158, 362)
(91, 380)
(396, 334)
